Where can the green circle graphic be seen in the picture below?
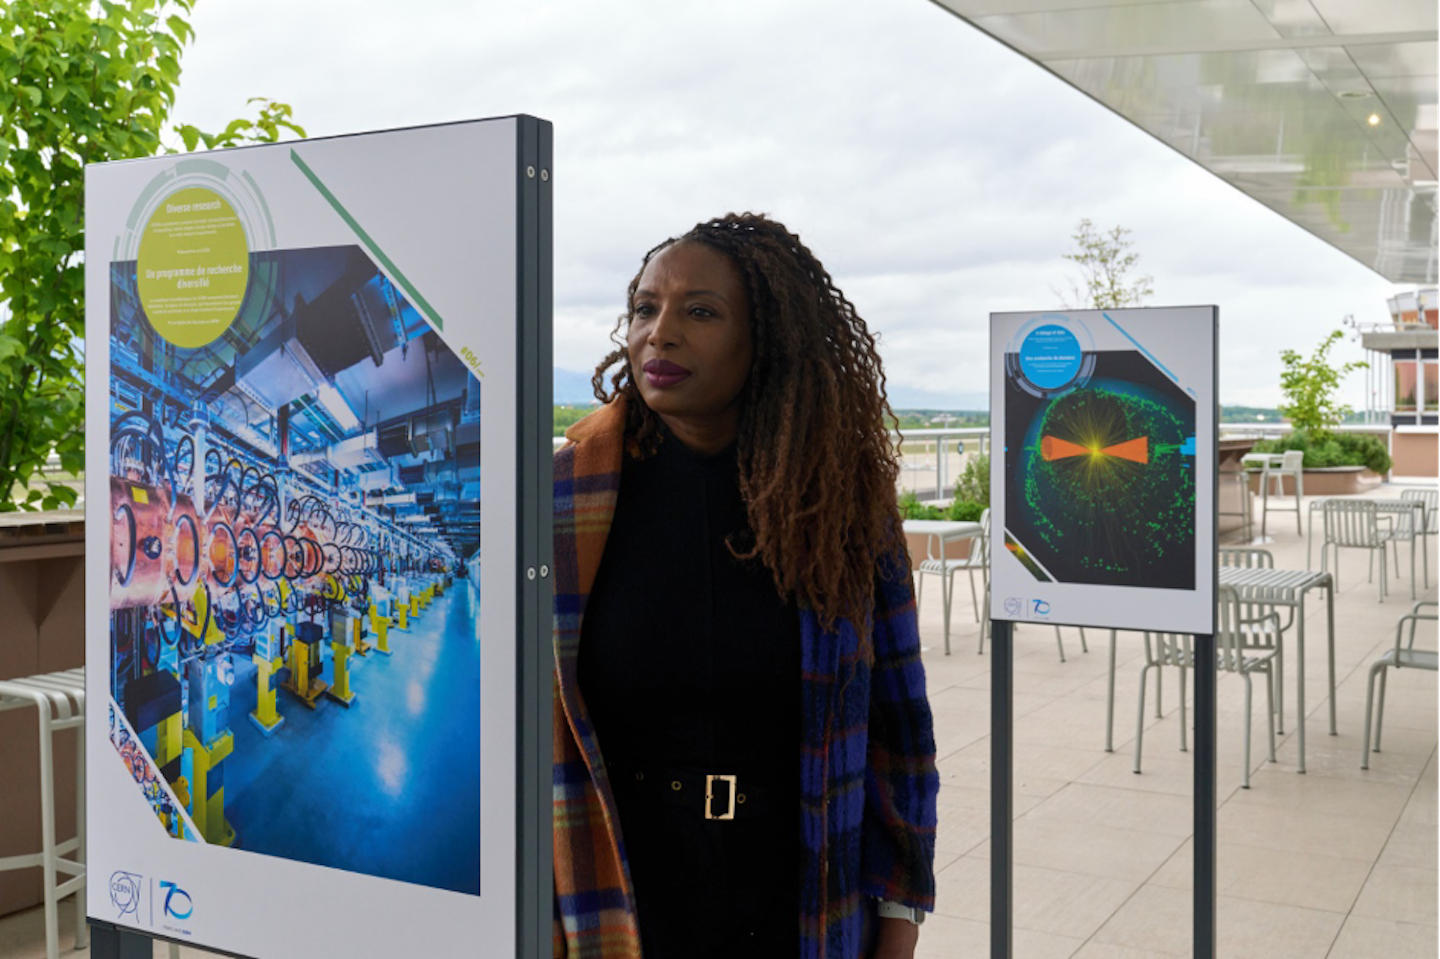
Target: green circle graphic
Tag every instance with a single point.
(193, 267)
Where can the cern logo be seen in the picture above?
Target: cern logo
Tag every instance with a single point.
(125, 893)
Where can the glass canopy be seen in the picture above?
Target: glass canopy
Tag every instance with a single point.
(1323, 110)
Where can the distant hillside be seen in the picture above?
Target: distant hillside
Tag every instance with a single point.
(572, 387)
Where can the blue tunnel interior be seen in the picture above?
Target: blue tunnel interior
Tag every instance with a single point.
(294, 589)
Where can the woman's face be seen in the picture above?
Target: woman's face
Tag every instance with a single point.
(689, 343)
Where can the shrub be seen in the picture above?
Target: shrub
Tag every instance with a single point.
(912, 508)
(965, 511)
(1332, 449)
(974, 483)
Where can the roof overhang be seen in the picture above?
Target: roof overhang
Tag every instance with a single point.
(1323, 110)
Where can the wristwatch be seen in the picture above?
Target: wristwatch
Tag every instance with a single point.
(886, 909)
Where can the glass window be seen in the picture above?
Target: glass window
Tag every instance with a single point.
(1432, 386)
(1405, 386)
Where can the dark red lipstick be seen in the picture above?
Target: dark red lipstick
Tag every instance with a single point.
(663, 374)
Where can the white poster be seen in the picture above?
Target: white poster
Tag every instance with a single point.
(1102, 476)
(301, 377)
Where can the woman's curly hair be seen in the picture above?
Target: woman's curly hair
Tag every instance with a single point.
(817, 470)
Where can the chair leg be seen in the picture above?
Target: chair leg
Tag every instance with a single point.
(1412, 567)
(1110, 700)
(1264, 501)
(974, 599)
(984, 624)
(1380, 710)
(1159, 696)
(947, 587)
(1140, 719)
(82, 926)
(1279, 680)
(1060, 641)
(1369, 709)
(1245, 782)
(47, 833)
(1184, 719)
(1084, 647)
(1270, 709)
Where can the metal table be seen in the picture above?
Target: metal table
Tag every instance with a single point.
(1269, 587)
(1284, 587)
(1420, 527)
(939, 533)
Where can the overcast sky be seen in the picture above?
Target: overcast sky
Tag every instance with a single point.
(937, 174)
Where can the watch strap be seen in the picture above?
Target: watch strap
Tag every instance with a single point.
(886, 909)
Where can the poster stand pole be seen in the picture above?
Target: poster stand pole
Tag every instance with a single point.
(1002, 789)
(1204, 905)
(113, 942)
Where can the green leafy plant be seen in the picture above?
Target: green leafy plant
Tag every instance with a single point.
(1310, 386)
(972, 491)
(84, 82)
(1332, 449)
(1105, 260)
(912, 508)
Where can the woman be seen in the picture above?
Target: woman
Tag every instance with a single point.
(734, 626)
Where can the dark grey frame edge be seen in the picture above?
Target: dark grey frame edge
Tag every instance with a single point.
(1002, 784)
(534, 887)
(1206, 829)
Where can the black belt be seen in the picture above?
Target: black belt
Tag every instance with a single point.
(715, 796)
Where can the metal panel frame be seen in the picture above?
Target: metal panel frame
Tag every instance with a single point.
(1002, 742)
(534, 884)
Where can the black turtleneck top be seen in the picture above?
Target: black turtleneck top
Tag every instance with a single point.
(690, 661)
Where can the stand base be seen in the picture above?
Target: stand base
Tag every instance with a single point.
(264, 729)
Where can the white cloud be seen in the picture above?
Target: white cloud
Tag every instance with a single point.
(937, 174)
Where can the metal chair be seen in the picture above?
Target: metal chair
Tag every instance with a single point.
(1403, 656)
(946, 569)
(1291, 465)
(1355, 524)
(1429, 522)
(1231, 655)
(1240, 479)
(59, 702)
(1257, 631)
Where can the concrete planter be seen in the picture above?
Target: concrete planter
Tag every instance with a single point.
(1329, 481)
(955, 549)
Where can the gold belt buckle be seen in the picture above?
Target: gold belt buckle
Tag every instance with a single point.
(710, 779)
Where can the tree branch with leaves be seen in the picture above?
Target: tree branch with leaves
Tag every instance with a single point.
(1310, 386)
(83, 82)
(1105, 259)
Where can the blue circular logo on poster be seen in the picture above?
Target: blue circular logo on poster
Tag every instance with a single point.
(1050, 357)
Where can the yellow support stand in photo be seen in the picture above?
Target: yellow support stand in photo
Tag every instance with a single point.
(381, 625)
(264, 716)
(341, 690)
(208, 810)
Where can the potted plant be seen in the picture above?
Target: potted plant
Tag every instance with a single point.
(1335, 463)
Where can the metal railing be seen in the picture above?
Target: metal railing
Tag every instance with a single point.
(939, 454)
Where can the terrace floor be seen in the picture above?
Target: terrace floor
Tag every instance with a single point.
(1332, 864)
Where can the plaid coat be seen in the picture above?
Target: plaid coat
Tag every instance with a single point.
(867, 757)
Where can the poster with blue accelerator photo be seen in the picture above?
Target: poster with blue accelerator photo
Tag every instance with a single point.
(302, 400)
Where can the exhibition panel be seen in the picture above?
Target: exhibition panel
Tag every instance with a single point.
(305, 661)
(1103, 492)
